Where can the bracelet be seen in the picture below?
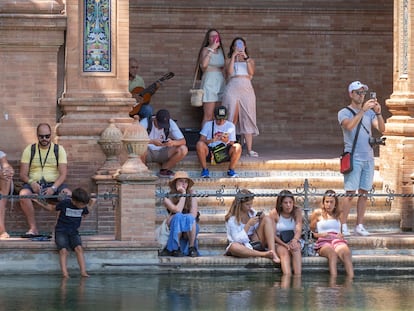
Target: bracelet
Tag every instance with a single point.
(54, 188)
(378, 114)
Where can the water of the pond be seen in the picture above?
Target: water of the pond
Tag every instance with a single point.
(206, 292)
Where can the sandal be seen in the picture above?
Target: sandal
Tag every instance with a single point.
(253, 154)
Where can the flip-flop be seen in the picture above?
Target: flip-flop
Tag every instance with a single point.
(30, 235)
(42, 238)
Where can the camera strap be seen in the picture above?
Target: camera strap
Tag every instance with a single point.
(357, 131)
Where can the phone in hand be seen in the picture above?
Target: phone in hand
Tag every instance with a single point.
(239, 45)
(373, 95)
(258, 214)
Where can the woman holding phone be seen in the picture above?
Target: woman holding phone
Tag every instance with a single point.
(211, 65)
(239, 96)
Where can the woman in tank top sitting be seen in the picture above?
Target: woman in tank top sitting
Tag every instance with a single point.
(326, 227)
(288, 219)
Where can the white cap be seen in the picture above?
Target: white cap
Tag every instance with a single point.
(356, 85)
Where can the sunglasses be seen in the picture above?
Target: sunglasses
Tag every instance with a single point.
(47, 136)
(360, 92)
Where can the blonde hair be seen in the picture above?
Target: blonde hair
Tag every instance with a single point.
(246, 196)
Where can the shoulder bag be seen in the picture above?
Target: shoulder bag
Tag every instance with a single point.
(346, 157)
(196, 93)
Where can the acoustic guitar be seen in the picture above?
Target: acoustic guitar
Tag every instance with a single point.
(147, 93)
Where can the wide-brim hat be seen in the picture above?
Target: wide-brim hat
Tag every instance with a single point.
(181, 175)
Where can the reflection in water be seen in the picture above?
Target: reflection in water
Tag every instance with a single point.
(259, 291)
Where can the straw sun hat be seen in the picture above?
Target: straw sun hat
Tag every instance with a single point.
(181, 175)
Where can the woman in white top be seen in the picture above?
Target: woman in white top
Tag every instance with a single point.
(326, 227)
(249, 234)
(288, 219)
(211, 63)
(239, 96)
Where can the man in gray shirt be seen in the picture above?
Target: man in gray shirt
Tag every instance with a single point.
(362, 175)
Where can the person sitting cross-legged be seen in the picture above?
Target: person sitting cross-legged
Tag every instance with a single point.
(213, 133)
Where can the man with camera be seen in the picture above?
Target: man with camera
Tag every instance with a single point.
(362, 175)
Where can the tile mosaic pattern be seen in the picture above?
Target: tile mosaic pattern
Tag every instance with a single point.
(97, 36)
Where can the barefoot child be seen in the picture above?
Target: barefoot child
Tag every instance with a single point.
(66, 230)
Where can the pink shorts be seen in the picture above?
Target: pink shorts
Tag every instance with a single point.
(331, 241)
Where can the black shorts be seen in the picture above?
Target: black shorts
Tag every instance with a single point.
(68, 241)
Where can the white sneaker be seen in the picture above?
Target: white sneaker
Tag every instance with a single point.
(345, 231)
(360, 230)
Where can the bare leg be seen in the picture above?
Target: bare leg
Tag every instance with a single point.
(202, 152)
(27, 208)
(361, 207)
(239, 250)
(345, 256)
(208, 109)
(266, 234)
(249, 141)
(81, 261)
(329, 253)
(176, 155)
(346, 206)
(297, 261)
(63, 255)
(284, 255)
(235, 153)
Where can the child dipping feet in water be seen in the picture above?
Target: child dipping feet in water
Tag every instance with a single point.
(250, 234)
(66, 231)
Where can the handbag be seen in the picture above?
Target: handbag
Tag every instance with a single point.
(220, 153)
(196, 93)
(287, 235)
(162, 233)
(345, 160)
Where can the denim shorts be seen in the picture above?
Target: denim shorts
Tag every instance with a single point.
(361, 176)
(68, 241)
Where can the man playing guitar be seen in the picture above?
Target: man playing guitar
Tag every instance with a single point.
(137, 82)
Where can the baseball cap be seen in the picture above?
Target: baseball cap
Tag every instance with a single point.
(220, 112)
(356, 85)
(163, 119)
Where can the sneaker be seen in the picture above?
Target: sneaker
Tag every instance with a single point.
(165, 173)
(232, 173)
(177, 253)
(192, 252)
(205, 173)
(164, 252)
(360, 230)
(345, 231)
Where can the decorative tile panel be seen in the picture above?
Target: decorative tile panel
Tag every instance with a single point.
(97, 36)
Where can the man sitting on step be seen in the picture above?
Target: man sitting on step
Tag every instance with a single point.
(215, 134)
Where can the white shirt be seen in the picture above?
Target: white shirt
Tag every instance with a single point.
(156, 133)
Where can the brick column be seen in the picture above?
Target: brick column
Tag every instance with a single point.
(90, 99)
(135, 215)
(397, 157)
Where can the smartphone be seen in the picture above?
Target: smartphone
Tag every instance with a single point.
(258, 214)
(239, 45)
(373, 95)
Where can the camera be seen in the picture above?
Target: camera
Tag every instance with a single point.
(376, 141)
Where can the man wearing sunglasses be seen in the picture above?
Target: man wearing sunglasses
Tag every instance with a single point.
(361, 178)
(43, 169)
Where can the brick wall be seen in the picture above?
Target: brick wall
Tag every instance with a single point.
(306, 54)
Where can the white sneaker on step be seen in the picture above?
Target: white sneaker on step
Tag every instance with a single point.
(345, 231)
(360, 230)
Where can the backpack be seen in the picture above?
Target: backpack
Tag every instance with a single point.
(55, 151)
(149, 128)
